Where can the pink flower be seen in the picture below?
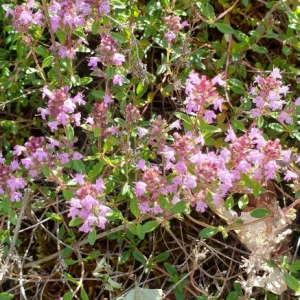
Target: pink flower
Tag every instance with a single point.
(289, 175)
(175, 199)
(77, 156)
(118, 59)
(243, 166)
(201, 206)
(168, 153)
(99, 185)
(141, 165)
(118, 80)
(140, 188)
(142, 131)
(64, 158)
(184, 24)
(190, 181)
(176, 125)
(255, 113)
(286, 156)
(104, 7)
(93, 62)
(259, 101)
(218, 80)
(209, 116)
(284, 117)
(270, 170)
(18, 150)
(276, 73)
(14, 165)
(170, 35)
(218, 104)
(230, 135)
(181, 167)
(40, 154)
(144, 208)
(78, 99)
(27, 162)
(79, 178)
(107, 99)
(53, 125)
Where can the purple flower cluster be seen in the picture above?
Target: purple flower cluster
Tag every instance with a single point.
(68, 14)
(193, 173)
(268, 96)
(201, 93)
(174, 25)
(108, 55)
(61, 107)
(101, 119)
(132, 114)
(10, 185)
(24, 17)
(149, 189)
(87, 206)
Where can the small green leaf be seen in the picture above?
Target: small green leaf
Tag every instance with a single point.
(92, 237)
(69, 276)
(295, 266)
(276, 127)
(78, 166)
(83, 294)
(259, 49)
(179, 207)
(259, 213)
(70, 132)
(53, 216)
(162, 257)
(139, 257)
(46, 171)
(125, 188)
(134, 207)
(237, 287)
(118, 37)
(95, 27)
(170, 268)
(79, 32)
(183, 117)
(85, 80)
(150, 226)
(238, 125)
(292, 282)
(75, 222)
(243, 201)
(165, 3)
(161, 69)
(229, 203)
(208, 232)
(260, 122)
(208, 11)
(68, 194)
(232, 296)
(286, 50)
(236, 86)
(98, 94)
(224, 28)
(117, 4)
(245, 2)
(141, 89)
(68, 296)
(47, 61)
(6, 296)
